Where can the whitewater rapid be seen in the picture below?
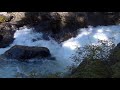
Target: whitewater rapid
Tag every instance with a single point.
(62, 52)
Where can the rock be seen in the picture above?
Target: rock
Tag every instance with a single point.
(92, 69)
(95, 18)
(9, 18)
(6, 37)
(1, 38)
(7, 31)
(24, 53)
(57, 22)
(6, 42)
(118, 46)
(116, 70)
(8, 26)
(115, 55)
(2, 18)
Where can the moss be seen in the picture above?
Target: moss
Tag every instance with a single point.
(116, 70)
(115, 56)
(2, 19)
(92, 69)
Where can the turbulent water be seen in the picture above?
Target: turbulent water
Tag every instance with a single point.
(62, 52)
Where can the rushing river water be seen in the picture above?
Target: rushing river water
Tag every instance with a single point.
(62, 52)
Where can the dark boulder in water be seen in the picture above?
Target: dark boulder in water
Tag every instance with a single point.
(24, 53)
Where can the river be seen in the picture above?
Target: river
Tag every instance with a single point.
(62, 52)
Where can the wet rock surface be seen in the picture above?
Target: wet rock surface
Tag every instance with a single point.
(58, 24)
(92, 69)
(24, 53)
(6, 37)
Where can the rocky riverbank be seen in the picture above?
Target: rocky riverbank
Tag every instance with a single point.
(61, 26)
(95, 68)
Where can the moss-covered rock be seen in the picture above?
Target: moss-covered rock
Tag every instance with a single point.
(115, 55)
(116, 70)
(2, 19)
(5, 18)
(114, 61)
(92, 69)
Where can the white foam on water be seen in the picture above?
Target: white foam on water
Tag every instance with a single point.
(62, 52)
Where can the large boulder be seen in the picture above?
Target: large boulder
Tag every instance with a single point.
(92, 69)
(7, 30)
(115, 55)
(116, 70)
(24, 53)
(6, 41)
(5, 18)
(1, 38)
(95, 18)
(114, 61)
(2, 18)
(58, 24)
(6, 37)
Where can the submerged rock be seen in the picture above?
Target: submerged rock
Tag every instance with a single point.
(24, 53)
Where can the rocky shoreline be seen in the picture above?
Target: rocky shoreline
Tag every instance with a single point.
(59, 25)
